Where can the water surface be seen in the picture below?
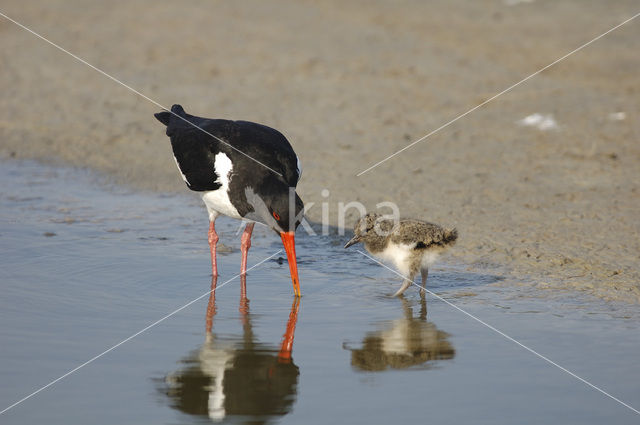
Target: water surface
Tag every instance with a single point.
(85, 265)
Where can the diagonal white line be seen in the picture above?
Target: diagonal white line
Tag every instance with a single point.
(499, 94)
(132, 89)
(505, 335)
(91, 360)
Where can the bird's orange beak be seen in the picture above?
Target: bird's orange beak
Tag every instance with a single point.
(288, 240)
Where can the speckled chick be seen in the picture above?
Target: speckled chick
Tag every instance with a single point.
(411, 245)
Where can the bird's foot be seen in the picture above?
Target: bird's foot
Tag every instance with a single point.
(403, 288)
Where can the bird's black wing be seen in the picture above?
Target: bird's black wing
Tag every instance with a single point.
(196, 141)
(193, 149)
(268, 146)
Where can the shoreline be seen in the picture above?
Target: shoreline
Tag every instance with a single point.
(512, 274)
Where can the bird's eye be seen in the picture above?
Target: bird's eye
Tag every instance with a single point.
(276, 216)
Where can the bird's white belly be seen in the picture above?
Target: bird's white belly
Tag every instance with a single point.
(218, 202)
(398, 254)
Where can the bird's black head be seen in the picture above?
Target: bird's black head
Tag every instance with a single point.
(277, 206)
(287, 211)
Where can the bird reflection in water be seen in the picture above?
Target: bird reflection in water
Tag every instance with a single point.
(237, 376)
(403, 343)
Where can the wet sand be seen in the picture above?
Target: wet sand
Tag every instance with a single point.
(350, 84)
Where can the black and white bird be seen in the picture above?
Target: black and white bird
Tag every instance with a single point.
(411, 245)
(244, 170)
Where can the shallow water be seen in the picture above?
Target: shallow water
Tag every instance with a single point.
(85, 265)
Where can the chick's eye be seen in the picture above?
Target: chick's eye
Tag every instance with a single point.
(276, 216)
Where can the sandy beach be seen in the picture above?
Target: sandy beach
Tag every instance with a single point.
(551, 200)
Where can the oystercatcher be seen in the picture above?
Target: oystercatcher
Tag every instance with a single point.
(244, 170)
(411, 245)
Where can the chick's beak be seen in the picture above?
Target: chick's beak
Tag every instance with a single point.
(288, 240)
(354, 240)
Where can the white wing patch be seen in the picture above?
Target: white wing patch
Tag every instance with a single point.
(217, 201)
(223, 167)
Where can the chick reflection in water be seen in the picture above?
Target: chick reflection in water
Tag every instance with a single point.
(403, 343)
(237, 376)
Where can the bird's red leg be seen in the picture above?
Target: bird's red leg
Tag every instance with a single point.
(245, 245)
(213, 241)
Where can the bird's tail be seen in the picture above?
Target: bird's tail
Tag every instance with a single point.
(450, 236)
(176, 118)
